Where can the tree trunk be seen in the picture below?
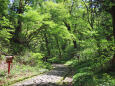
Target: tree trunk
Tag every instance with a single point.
(16, 37)
(60, 54)
(113, 20)
(69, 29)
(47, 47)
(17, 31)
(75, 44)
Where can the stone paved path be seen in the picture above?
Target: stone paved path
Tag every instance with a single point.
(52, 78)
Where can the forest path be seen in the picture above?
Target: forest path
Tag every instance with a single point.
(51, 78)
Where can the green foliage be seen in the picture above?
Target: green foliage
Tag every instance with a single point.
(5, 34)
(5, 29)
(30, 58)
(88, 76)
(3, 7)
(80, 31)
(69, 51)
(81, 79)
(54, 60)
(106, 80)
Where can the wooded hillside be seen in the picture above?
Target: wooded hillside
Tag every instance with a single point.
(79, 33)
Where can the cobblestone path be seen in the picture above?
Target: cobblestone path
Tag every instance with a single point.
(51, 78)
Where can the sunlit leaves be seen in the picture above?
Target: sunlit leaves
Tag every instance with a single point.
(32, 16)
(57, 11)
(5, 29)
(3, 7)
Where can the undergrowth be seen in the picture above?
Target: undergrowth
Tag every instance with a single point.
(24, 66)
(91, 73)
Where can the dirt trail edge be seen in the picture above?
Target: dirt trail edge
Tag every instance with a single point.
(51, 78)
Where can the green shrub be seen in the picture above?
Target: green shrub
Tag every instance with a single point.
(69, 52)
(54, 60)
(106, 80)
(30, 58)
(89, 73)
(84, 78)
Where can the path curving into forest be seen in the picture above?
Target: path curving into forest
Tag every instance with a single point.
(51, 78)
